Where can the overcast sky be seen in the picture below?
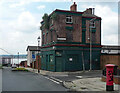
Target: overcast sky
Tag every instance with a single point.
(20, 21)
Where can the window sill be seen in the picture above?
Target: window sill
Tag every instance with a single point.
(69, 23)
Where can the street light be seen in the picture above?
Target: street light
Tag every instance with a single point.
(38, 39)
(92, 25)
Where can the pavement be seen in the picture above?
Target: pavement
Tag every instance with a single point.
(88, 81)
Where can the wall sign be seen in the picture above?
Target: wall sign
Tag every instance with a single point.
(61, 38)
(70, 59)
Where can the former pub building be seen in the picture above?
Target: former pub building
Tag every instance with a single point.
(66, 38)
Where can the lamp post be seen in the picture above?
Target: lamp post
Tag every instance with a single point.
(91, 26)
(38, 53)
(18, 59)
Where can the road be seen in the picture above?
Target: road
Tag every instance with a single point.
(27, 81)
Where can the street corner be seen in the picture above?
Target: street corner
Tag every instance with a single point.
(88, 84)
(68, 84)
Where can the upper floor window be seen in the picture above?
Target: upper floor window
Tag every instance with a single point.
(68, 19)
(92, 24)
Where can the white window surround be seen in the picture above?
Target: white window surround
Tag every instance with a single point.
(69, 19)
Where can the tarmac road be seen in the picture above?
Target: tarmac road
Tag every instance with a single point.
(27, 81)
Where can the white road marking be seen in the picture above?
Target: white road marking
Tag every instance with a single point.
(52, 80)
(56, 79)
(79, 76)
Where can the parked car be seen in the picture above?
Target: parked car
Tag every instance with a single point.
(14, 66)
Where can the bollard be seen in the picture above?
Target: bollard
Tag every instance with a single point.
(109, 77)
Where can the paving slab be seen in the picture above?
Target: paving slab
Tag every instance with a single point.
(88, 84)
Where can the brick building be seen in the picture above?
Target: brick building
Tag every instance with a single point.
(23, 63)
(66, 40)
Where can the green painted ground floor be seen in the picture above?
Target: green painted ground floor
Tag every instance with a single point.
(69, 59)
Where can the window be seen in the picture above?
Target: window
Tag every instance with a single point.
(92, 24)
(68, 19)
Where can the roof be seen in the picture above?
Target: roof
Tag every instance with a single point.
(33, 48)
(90, 16)
(68, 11)
(77, 12)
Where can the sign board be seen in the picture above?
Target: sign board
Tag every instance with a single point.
(33, 56)
(61, 38)
(70, 59)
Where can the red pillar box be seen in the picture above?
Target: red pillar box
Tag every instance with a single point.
(109, 77)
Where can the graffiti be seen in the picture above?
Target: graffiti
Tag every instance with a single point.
(110, 73)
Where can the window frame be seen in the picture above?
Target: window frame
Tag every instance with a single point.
(68, 18)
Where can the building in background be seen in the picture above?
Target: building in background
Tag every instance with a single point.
(6, 61)
(110, 55)
(23, 63)
(32, 51)
(66, 40)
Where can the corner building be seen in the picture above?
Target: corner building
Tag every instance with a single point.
(66, 40)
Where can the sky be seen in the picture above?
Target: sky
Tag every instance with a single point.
(20, 21)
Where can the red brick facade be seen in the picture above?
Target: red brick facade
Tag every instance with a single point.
(57, 28)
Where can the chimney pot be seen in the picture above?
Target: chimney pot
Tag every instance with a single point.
(73, 7)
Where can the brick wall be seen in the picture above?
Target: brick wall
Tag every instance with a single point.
(59, 30)
(36, 65)
(97, 33)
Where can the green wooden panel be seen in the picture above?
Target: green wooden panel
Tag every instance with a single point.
(87, 60)
(59, 60)
(96, 60)
(69, 28)
(47, 60)
(93, 30)
(43, 62)
(83, 23)
(51, 63)
(59, 65)
(73, 62)
(83, 37)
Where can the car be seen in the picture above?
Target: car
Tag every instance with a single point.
(14, 66)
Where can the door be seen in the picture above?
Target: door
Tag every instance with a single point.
(59, 64)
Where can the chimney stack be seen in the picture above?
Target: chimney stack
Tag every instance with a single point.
(89, 11)
(73, 7)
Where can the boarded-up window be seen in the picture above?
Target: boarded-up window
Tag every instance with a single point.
(93, 38)
(69, 36)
